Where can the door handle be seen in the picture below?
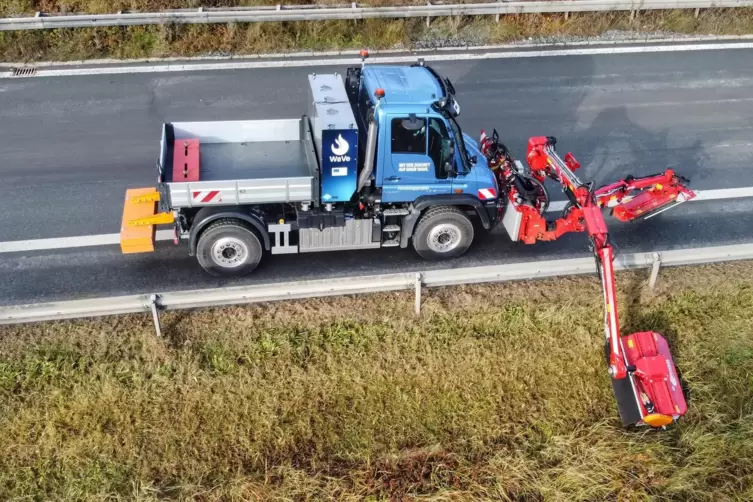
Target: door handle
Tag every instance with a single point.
(394, 178)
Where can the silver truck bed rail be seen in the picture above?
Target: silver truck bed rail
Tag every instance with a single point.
(243, 162)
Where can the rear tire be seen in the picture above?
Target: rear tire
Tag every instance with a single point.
(443, 232)
(228, 248)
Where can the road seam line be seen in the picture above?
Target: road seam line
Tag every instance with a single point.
(170, 68)
(167, 235)
(680, 39)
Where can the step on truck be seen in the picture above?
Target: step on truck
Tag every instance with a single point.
(378, 160)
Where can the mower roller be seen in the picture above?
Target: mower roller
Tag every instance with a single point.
(643, 373)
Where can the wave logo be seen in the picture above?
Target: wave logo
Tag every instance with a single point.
(339, 148)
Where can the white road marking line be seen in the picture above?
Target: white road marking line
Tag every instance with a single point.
(717, 194)
(167, 235)
(723, 193)
(658, 104)
(356, 52)
(286, 63)
(72, 242)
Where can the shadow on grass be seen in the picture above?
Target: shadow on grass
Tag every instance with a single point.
(174, 337)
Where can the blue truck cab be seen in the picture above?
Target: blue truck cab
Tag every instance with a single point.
(421, 150)
(426, 181)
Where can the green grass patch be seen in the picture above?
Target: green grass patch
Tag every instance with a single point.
(498, 392)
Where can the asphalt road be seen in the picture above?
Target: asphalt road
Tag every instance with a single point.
(72, 145)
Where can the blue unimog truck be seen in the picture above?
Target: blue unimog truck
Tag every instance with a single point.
(378, 160)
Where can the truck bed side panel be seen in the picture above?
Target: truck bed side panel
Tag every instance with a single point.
(254, 191)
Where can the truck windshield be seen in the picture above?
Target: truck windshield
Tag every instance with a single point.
(460, 143)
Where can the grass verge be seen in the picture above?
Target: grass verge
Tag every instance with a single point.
(246, 39)
(499, 392)
(11, 8)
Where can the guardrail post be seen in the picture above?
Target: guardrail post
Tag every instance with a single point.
(155, 314)
(428, 19)
(697, 11)
(418, 293)
(654, 271)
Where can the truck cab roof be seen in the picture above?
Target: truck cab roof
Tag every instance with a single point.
(412, 86)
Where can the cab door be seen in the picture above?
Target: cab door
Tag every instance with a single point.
(411, 162)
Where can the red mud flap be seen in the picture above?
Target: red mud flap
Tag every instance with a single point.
(652, 394)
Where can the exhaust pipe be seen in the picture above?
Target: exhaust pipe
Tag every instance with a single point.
(368, 166)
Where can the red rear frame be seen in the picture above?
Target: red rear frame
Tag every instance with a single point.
(186, 160)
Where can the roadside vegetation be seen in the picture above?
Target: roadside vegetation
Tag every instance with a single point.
(26, 7)
(498, 392)
(252, 39)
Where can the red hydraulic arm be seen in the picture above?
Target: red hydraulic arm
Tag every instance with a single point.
(584, 214)
(658, 192)
(643, 376)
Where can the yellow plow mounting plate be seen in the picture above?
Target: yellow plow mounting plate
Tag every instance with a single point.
(138, 239)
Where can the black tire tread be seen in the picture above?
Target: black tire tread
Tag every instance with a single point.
(226, 222)
(430, 216)
(229, 223)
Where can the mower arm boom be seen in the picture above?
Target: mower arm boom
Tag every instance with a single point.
(640, 364)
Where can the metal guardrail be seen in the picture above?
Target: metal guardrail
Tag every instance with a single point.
(351, 11)
(357, 285)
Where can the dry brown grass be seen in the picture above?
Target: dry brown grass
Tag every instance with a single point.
(499, 392)
(240, 39)
(26, 7)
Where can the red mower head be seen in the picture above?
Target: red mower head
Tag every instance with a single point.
(652, 394)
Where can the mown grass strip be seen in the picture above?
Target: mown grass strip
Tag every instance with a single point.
(497, 392)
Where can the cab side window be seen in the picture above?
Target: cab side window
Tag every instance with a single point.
(409, 135)
(438, 146)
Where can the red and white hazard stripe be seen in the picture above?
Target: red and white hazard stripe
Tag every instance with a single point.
(204, 196)
(482, 142)
(487, 193)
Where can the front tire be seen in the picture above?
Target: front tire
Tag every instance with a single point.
(228, 248)
(443, 232)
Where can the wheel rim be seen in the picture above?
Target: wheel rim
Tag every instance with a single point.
(229, 252)
(444, 238)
